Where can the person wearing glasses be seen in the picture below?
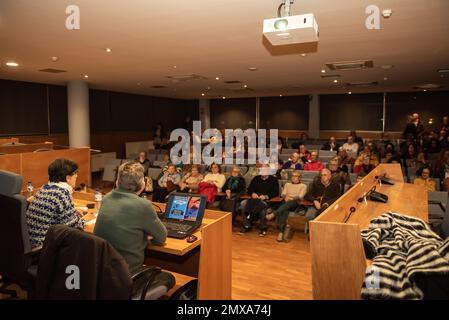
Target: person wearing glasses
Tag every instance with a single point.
(53, 203)
(322, 193)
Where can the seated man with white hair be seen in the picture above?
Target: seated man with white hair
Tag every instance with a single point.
(126, 220)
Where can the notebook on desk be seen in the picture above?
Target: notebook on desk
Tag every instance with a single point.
(184, 214)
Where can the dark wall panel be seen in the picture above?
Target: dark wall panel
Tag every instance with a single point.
(100, 111)
(284, 113)
(57, 101)
(356, 111)
(233, 113)
(23, 108)
(433, 105)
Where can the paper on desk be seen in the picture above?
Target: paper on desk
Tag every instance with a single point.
(90, 221)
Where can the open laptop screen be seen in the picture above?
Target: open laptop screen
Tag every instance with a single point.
(185, 207)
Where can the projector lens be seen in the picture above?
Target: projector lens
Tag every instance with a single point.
(281, 24)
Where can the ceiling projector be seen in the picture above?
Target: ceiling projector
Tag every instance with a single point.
(291, 29)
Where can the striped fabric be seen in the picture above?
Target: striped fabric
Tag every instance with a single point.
(403, 248)
(51, 205)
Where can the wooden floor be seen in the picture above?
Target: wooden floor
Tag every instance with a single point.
(263, 268)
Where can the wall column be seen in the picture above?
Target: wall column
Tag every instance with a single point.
(314, 116)
(78, 114)
(204, 105)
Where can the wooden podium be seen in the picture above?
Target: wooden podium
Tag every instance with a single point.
(338, 257)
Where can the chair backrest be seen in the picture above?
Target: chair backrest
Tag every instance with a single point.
(110, 172)
(159, 164)
(309, 175)
(14, 239)
(327, 154)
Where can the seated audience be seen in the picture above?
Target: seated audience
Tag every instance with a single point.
(322, 193)
(304, 154)
(331, 145)
(409, 157)
(233, 187)
(292, 193)
(191, 180)
(344, 158)
(281, 174)
(350, 146)
(445, 124)
(364, 167)
(424, 179)
(340, 175)
(280, 145)
(143, 160)
(261, 189)
(421, 161)
(414, 127)
(167, 183)
(443, 174)
(357, 139)
(53, 203)
(444, 155)
(389, 147)
(253, 171)
(391, 158)
(313, 164)
(367, 153)
(294, 162)
(212, 183)
(158, 135)
(125, 220)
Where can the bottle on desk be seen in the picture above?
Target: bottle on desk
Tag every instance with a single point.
(30, 188)
(98, 198)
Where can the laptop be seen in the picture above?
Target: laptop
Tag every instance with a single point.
(184, 214)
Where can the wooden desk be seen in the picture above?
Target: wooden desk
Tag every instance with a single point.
(23, 148)
(209, 258)
(338, 257)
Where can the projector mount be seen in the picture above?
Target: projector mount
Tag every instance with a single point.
(286, 4)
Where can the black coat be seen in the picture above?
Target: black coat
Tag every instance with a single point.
(103, 272)
(268, 187)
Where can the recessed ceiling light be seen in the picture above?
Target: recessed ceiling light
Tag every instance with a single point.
(223, 98)
(217, 78)
(425, 90)
(202, 94)
(252, 69)
(303, 54)
(86, 76)
(108, 50)
(139, 83)
(386, 66)
(323, 71)
(349, 92)
(280, 95)
(245, 86)
(54, 58)
(335, 81)
(385, 79)
(12, 64)
(174, 67)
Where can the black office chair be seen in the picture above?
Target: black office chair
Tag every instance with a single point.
(440, 223)
(103, 272)
(17, 260)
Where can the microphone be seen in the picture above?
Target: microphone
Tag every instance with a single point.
(351, 211)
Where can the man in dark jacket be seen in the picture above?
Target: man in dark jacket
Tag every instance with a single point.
(234, 187)
(414, 127)
(261, 189)
(323, 192)
(331, 145)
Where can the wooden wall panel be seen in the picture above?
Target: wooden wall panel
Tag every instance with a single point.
(26, 147)
(11, 162)
(284, 113)
(233, 113)
(35, 165)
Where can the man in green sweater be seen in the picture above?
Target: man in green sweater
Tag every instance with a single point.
(126, 221)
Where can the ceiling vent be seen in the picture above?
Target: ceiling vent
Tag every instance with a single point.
(327, 76)
(362, 84)
(239, 89)
(428, 86)
(185, 77)
(51, 70)
(350, 65)
(232, 81)
(158, 87)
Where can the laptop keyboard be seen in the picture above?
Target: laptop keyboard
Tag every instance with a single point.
(177, 226)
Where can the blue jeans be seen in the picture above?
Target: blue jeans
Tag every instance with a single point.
(283, 211)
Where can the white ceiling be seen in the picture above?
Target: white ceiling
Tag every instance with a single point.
(221, 38)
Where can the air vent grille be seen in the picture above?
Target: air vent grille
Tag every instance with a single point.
(362, 84)
(350, 65)
(51, 70)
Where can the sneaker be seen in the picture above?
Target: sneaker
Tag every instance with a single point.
(243, 231)
(262, 233)
(280, 237)
(270, 216)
